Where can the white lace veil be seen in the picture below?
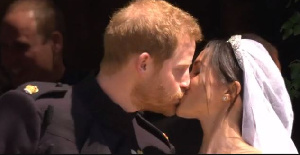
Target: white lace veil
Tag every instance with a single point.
(267, 110)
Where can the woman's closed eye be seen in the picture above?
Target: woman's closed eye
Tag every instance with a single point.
(195, 71)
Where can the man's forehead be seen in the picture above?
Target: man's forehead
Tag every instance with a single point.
(185, 51)
(184, 58)
(18, 28)
(22, 20)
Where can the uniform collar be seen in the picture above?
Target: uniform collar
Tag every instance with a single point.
(118, 123)
(102, 108)
(113, 123)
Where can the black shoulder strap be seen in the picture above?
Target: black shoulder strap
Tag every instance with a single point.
(48, 115)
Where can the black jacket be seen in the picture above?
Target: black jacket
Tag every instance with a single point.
(79, 119)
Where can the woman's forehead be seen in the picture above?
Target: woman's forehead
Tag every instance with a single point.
(204, 56)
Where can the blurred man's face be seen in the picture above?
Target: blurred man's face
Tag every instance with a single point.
(162, 91)
(24, 53)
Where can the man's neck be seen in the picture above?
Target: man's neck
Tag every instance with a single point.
(118, 87)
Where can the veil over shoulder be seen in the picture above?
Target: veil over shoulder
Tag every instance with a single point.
(267, 110)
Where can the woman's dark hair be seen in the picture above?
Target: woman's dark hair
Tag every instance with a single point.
(224, 62)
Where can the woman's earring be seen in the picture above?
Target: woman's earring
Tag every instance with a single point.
(225, 98)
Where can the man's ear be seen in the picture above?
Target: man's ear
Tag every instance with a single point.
(57, 39)
(143, 61)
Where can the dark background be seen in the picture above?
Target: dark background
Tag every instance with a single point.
(86, 21)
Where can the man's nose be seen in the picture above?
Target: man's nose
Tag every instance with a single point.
(185, 82)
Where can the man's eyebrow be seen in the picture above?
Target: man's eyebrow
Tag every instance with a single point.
(183, 65)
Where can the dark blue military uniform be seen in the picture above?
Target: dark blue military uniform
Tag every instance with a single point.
(185, 134)
(57, 118)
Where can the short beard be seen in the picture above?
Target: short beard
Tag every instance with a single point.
(152, 96)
